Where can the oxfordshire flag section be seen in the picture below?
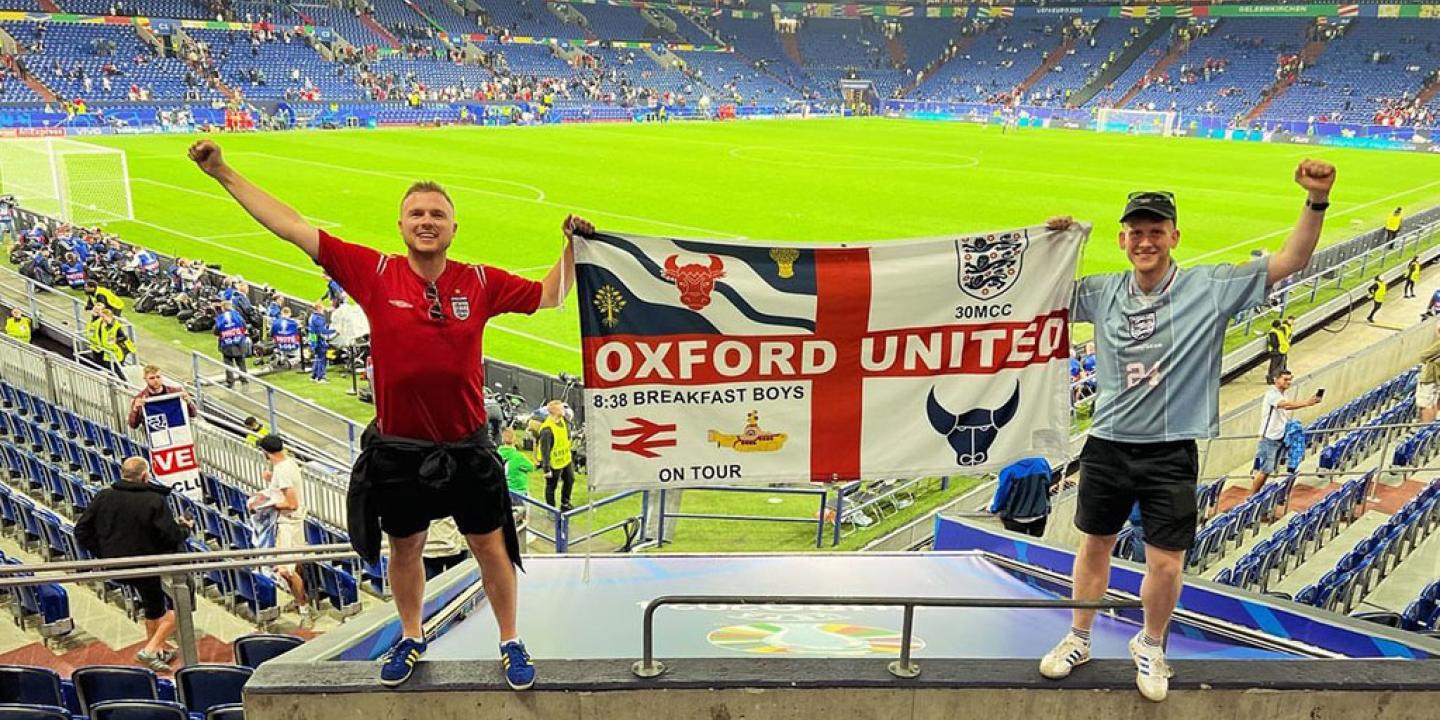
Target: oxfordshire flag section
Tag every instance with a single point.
(727, 363)
(172, 445)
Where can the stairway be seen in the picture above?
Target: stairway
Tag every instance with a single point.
(40, 89)
(896, 47)
(380, 30)
(1046, 66)
(1123, 61)
(1176, 51)
(791, 44)
(961, 46)
(1312, 52)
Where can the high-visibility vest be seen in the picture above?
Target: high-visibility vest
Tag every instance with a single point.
(103, 294)
(18, 328)
(1379, 293)
(1392, 223)
(1414, 274)
(1282, 340)
(560, 449)
(92, 335)
(109, 337)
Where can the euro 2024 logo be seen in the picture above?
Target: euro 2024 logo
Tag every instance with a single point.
(990, 263)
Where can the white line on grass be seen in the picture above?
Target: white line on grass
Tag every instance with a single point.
(1282, 231)
(319, 221)
(316, 273)
(252, 233)
(547, 203)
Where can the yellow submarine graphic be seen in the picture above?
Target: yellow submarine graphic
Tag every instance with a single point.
(751, 439)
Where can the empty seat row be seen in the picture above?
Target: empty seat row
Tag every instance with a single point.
(1308, 531)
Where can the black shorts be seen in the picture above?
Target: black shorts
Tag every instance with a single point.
(152, 596)
(1160, 476)
(476, 495)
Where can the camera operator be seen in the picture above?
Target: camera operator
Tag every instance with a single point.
(73, 271)
(7, 219)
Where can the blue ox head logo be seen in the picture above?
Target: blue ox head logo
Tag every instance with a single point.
(972, 432)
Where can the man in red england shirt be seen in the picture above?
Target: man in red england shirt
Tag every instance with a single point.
(428, 454)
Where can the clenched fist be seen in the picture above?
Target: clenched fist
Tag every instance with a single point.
(1316, 176)
(206, 154)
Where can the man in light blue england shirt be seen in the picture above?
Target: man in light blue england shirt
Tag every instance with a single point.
(1159, 331)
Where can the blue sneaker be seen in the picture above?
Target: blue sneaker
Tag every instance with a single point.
(519, 671)
(400, 661)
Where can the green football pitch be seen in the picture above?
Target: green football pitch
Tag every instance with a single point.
(813, 181)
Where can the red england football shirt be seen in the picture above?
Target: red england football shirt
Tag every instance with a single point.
(429, 380)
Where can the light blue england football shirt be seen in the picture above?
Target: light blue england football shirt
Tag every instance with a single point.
(1158, 354)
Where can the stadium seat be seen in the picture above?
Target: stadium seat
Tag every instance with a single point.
(96, 684)
(139, 710)
(10, 711)
(252, 650)
(21, 684)
(232, 711)
(202, 687)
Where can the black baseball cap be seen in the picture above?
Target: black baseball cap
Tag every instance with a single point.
(271, 444)
(1159, 203)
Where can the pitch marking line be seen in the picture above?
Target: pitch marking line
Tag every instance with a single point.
(506, 196)
(318, 221)
(1282, 231)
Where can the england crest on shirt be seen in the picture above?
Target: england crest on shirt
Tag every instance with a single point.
(460, 307)
(1142, 325)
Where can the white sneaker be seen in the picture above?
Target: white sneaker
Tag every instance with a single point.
(1152, 673)
(1071, 653)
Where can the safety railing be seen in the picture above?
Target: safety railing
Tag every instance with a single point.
(286, 413)
(63, 313)
(177, 568)
(818, 521)
(554, 526)
(649, 667)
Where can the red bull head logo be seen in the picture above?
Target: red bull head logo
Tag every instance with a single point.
(695, 281)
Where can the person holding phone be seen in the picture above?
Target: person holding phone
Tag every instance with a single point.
(1274, 414)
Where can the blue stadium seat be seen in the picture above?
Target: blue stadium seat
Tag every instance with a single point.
(139, 710)
(96, 684)
(252, 650)
(20, 684)
(232, 711)
(202, 687)
(257, 593)
(10, 711)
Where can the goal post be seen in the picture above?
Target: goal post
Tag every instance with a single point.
(77, 182)
(1137, 122)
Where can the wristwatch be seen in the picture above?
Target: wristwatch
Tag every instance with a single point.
(1317, 207)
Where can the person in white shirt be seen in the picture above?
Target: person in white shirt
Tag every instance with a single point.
(282, 493)
(1274, 413)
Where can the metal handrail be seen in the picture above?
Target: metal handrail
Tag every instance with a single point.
(182, 569)
(186, 558)
(649, 667)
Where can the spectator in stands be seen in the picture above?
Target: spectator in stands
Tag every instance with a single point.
(553, 453)
(115, 345)
(97, 294)
(73, 271)
(1412, 276)
(1277, 344)
(1376, 294)
(155, 386)
(1392, 224)
(234, 340)
(1427, 385)
(19, 326)
(425, 401)
(1159, 327)
(1274, 414)
(282, 494)
(130, 518)
(318, 331)
(444, 547)
(1022, 497)
(254, 431)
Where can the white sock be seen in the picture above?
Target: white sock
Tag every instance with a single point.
(503, 643)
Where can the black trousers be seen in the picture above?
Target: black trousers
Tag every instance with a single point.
(1278, 361)
(1374, 309)
(565, 478)
(239, 363)
(1409, 287)
(1034, 528)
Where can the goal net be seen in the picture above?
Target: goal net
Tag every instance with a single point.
(77, 182)
(1137, 122)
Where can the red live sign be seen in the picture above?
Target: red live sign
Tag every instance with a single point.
(173, 460)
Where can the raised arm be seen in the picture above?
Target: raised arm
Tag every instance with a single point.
(276, 216)
(1317, 178)
(561, 278)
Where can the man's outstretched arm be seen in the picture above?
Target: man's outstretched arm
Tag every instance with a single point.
(561, 278)
(1317, 178)
(276, 216)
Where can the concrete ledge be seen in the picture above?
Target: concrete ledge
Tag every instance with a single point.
(800, 689)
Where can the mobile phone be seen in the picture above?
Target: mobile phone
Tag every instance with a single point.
(1320, 393)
